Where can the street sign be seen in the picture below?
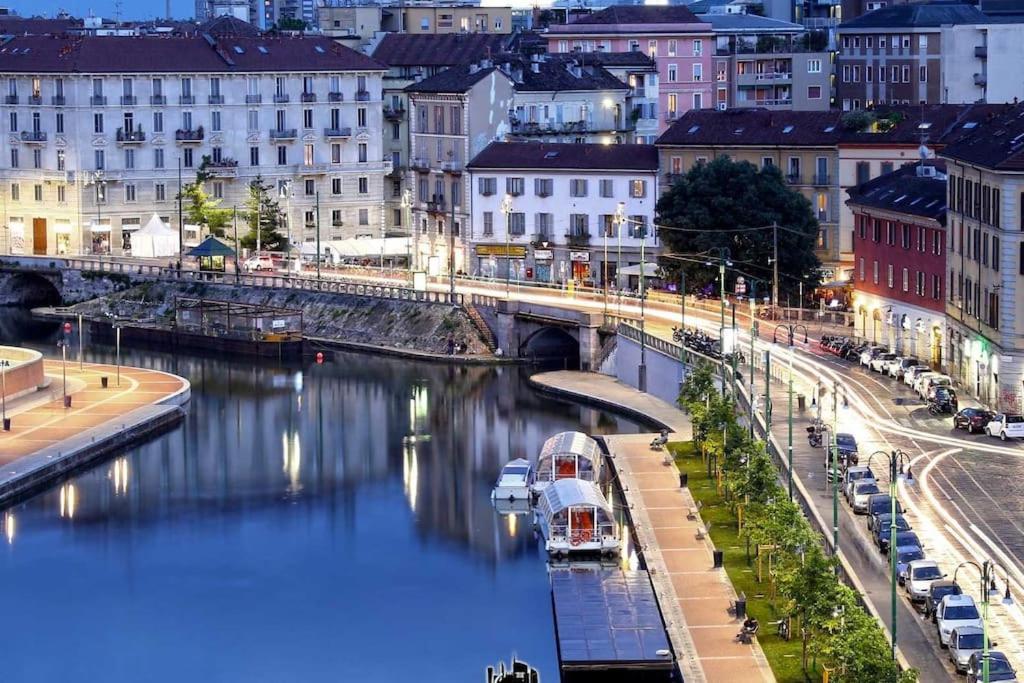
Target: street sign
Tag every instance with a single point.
(741, 285)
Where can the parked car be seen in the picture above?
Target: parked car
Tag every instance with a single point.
(868, 354)
(880, 362)
(933, 383)
(955, 611)
(920, 576)
(905, 539)
(862, 491)
(880, 504)
(936, 591)
(853, 353)
(973, 419)
(911, 374)
(964, 642)
(855, 475)
(847, 445)
(880, 534)
(905, 554)
(901, 365)
(999, 668)
(1006, 426)
(921, 379)
(259, 262)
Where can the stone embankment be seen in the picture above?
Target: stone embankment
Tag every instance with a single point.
(413, 326)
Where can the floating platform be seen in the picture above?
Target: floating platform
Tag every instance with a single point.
(608, 626)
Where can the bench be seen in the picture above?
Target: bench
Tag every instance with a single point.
(746, 636)
(703, 532)
(694, 511)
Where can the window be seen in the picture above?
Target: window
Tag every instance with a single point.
(698, 47)
(364, 185)
(60, 122)
(924, 73)
(16, 196)
(673, 73)
(282, 155)
(362, 152)
(936, 287)
(543, 187)
(888, 276)
(129, 159)
(160, 192)
(860, 269)
(814, 92)
(894, 74)
(672, 46)
(215, 121)
(187, 161)
(158, 122)
(364, 216)
(920, 289)
(254, 156)
(309, 187)
(856, 73)
(487, 186)
(874, 271)
(37, 158)
(995, 253)
(361, 117)
(335, 185)
(98, 158)
(906, 74)
(488, 223)
(544, 224)
(37, 192)
(61, 155)
(514, 186)
(814, 66)
(652, 48)
(129, 192)
(638, 188)
(337, 221)
(673, 104)
(308, 154)
(97, 123)
(516, 223)
(698, 72)
(579, 224)
(698, 100)
(577, 187)
(607, 188)
(906, 280)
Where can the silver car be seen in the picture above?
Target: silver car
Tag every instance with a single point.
(861, 492)
(964, 641)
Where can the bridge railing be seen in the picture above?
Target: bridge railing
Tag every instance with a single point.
(666, 347)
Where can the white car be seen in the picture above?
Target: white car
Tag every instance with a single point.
(900, 366)
(855, 475)
(922, 378)
(964, 642)
(881, 362)
(955, 611)
(940, 381)
(862, 491)
(869, 353)
(1006, 426)
(920, 574)
(913, 372)
(258, 263)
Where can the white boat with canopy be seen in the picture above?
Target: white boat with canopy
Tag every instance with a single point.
(575, 517)
(514, 481)
(568, 455)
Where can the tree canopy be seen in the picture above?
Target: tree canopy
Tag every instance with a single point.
(200, 207)
(716, 204)
(261, 206)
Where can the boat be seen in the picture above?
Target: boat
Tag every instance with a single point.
(568, 455)
(514, 481)
(575, 518)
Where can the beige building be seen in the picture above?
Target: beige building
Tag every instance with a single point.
(359, 23)
(447, 18)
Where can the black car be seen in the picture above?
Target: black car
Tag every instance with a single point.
(880, 504)
(880, 534)
(937, 591)
(973, 419)
(903, 538)
(999, 668)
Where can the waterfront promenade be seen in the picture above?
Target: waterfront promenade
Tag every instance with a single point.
(47, 439)
(694, 597)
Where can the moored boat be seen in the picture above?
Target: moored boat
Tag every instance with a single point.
(568, 455)
(575, 517)
(514, 481)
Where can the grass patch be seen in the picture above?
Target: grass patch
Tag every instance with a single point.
(783, 656)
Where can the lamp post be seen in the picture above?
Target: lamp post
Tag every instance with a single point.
(753, 336)
(620, 220)
(4, 364)
(406, 204)
(896, 460)
(988, 589)
(724, 259)
(791, 334)
(506, 208)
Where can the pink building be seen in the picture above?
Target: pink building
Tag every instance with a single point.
(672, 35)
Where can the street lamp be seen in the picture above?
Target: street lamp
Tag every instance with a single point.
(791, 330)
(4, 364)
(620, 220)
(406, 205)
(285, 193)
(724, 259)
(506, 208)
(896, 460)
(753, 335)
(987, 574)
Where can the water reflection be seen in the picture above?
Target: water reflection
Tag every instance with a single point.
(303, 523)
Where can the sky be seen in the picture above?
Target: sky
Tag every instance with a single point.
(130, 9)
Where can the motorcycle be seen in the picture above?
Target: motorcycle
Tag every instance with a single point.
(940, 407)
(814, 437)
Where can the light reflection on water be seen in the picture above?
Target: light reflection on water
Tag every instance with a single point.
(304, 523)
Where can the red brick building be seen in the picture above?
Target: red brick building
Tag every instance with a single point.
(899, 247)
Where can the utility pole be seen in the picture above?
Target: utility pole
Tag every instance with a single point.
(451, 248)
(259, 228)
(319, 255)
(775, 266)
(181, 220)
(81, 361)
(234, 227)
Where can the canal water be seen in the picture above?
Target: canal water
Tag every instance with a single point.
(304, 523)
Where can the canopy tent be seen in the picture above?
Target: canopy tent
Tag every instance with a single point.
(650, 270)
(209, 247)
(569, 455)
(359, 247)
(154, 239)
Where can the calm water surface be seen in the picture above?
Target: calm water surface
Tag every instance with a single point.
(306, 523)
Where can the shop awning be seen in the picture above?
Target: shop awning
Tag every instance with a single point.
(650, 270)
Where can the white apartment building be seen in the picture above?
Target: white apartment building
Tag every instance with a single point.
(546, 212)
(96, 128)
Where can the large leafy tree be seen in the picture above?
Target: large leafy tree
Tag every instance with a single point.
(200, 207)
(262, 207)
(716, 204)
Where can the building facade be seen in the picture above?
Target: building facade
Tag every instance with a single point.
(551, 213)
(678, 42)
(447, 17)
(899, 248)
(97, 128)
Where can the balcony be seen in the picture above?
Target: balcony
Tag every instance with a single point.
(33, 136)
(362, 96)
(309, 97)
(283, 133)
(436, 205)
(11, 99)
(224, 168)
(822, 179)
(130, 137)
(395, 173)
(313, 169)
(394, 113)
(281, 98)
(216, 99)
(335, 96)
(129, 100)
(420, 165)
(981, 51)
(671, 116)
(98, 100)
(337, 133)
(187, 99)
(980, 80)
(253, 99)
(540, 237)
(794, 179)
(337, 222)
(158, 100)
(35, 99)
(189, 135)
(57, 100)
(577, 239)
(453, 167)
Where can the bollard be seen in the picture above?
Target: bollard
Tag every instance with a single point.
(741, 606)
(103, 381)
(718, 556)
(67, 401)
(684, 479)
(7, 424)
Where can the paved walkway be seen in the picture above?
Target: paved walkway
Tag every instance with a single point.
(693, 596)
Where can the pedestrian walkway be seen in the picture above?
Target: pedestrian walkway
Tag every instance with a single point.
(694, 597)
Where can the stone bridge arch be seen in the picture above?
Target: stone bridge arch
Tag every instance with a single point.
(552, 342)
(27, 288)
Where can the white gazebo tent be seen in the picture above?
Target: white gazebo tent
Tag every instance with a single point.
(154, 239)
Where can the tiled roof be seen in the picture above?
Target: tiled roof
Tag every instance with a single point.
(633, 58)
(18, 26)
(444, 49)
(933, 124)
(556, 72)
(227, 25)
(904, 191)
(457, 79)
(563, 156)
(918, 15)
(755, 127)
(641, 14)
(178, 54)
(748, 22)
(997, 143)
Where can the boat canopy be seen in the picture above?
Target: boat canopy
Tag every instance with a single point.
(560, 496)
(569, 455)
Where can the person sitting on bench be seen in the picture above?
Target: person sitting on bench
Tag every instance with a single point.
(750, 627)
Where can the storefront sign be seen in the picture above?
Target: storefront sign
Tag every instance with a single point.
(500, 250)
(277, 324)
(579, 256)
(543, 254)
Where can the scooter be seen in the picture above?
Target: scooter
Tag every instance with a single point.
(813, 437)
(940, 407)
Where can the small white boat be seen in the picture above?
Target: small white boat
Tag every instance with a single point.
(514, 481)
(575, 517)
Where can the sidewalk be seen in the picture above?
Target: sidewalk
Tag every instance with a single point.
(694, 597)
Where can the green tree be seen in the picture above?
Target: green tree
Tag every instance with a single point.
(698, 385)
(200, 207)
(290, 24)
(262, 207)
(714, 203)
